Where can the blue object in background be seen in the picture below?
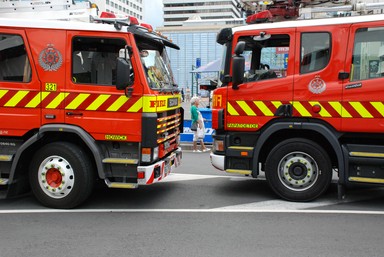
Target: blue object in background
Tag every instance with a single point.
(187, 135)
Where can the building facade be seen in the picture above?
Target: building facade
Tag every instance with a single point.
(198, 47)
(125, 7)
(178, 11)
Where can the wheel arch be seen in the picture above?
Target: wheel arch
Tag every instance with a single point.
(48, 134)
(319, 133)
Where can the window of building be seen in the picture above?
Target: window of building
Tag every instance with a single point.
(14, 62)
(315, 51)
(94, 59)
(368, 54)
(265, 59)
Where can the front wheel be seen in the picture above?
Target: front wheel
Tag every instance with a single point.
(61, 175)
(298, 170)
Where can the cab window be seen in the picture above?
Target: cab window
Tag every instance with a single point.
(265, 56)
(14, 62)
(315, 51)
(368, 54)
(94, 60)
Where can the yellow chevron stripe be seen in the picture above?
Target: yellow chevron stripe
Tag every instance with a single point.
(231, 110)
(118, 103)
(323, 112)
(263, 108)
(379, 106)
(77, 101)
(276, 104)
(16, 98)
(97, 102)
(137, 106)
(3, 92)
(301, 109)
(361, 110)
(246, 108)
(56, 102)
(37, 99)
(340, 110)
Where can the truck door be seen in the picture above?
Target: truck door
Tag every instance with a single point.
(48, 49)
(268, 83)
(319, 60)
(363, 91)
(19, 85)
(93, 103)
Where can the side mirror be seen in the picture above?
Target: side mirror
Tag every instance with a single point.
(123, 74)
(238, 63)
(239, 49)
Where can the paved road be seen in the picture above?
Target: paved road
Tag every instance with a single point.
(196, 212)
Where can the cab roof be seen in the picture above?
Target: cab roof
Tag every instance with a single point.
(311, 22)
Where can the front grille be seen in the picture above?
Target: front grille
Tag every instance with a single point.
(168, 131)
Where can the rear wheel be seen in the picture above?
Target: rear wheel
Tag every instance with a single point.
(61, 175)
(298, 170)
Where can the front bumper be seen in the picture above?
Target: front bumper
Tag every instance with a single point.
(217, 161)
(159, 170)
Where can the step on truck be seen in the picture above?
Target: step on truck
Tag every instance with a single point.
(82, 102)
(302, 101)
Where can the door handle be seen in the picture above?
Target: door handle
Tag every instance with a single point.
(74, 113)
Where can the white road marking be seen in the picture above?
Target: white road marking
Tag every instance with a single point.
(174, 177)
(216, 210)
(271, 206)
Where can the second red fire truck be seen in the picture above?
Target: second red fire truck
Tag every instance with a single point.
(300, 101)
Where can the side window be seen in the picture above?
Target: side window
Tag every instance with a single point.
(315, 51)
(94, 60)
(14, 62)
(368, 54)
(265, 57)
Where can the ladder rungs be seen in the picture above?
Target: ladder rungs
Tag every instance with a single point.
(5, 158)
(120, 161)
(4, 181)
(366, 180)
(120, 184)
(243, 172)
(241, 148)
(367, 154)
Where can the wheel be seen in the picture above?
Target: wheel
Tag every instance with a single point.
(298, 170)
(61, 175)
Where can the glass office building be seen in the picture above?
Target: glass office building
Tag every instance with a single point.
(198, 47)
(178, 11)
(125, 7)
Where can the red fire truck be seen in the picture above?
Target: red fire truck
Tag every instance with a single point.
(81, 102)
(302, 100)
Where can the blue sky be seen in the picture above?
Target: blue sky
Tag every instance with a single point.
(153, 12)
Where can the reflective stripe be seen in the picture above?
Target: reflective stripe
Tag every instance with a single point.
(361, 109)
(331, 109)
(16, 99)
(246, 108)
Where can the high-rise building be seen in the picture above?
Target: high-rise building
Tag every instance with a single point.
(178, 11)
(125, 7)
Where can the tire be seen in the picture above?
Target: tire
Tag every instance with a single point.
(61, 175)
(298, 169)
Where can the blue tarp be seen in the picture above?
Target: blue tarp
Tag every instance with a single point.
(187, 135)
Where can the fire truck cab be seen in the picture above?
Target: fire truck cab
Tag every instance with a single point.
(81, 102)
(302, 100)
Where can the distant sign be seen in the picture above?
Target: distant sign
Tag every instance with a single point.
(282, 50)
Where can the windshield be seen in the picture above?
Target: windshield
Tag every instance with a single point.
(158, 69)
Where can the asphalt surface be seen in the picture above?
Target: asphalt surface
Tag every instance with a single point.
(196, 211)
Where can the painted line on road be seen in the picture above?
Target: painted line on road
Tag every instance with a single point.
(218, 210)
(174, 177)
